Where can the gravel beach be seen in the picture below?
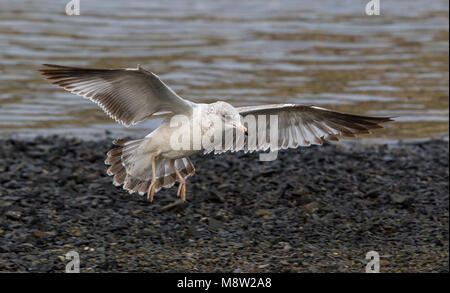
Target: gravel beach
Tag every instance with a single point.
(317, 209)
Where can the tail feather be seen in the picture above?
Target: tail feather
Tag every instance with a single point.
(119, 177)
(131, 166)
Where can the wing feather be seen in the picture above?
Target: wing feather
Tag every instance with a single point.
(129, 96)
(303, 125)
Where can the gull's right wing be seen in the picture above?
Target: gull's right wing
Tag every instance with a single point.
(129, 96)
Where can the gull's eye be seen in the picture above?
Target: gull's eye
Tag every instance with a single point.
(229, 118)
(211, 110)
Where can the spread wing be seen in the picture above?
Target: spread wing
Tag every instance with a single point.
(302, 125)
(129, 96)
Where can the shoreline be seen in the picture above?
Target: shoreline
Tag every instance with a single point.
(108, 135)
(316, 209)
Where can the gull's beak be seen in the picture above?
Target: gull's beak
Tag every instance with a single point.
(240, 127)
(243, 129)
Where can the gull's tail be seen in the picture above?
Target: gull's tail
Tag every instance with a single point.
(131, 166)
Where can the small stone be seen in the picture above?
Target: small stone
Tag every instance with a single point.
(397, 198)
(215, 224)
(5, 203)
(263, 213)
(287, 247)
(4, 248)
(310, 208)
(13, 215)
(402, 200)
(38, 233)
(374, 192)
(176, 206)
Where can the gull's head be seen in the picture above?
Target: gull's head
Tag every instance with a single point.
(228, 115)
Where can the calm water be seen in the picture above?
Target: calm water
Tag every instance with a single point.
(327, 53)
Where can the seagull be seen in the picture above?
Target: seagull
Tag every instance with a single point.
(145, 165)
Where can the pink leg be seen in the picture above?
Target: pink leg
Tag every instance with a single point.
(151, 188)
(182, 187)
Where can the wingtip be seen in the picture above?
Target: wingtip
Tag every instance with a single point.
(386, 120)
(53, 65)
(46, 68)
(381, 119)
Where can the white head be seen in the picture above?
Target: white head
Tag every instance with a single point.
(228, 115)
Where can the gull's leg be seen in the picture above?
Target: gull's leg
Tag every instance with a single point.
(182, 188)
(151, 188)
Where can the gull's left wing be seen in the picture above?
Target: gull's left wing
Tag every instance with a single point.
(302, 125)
